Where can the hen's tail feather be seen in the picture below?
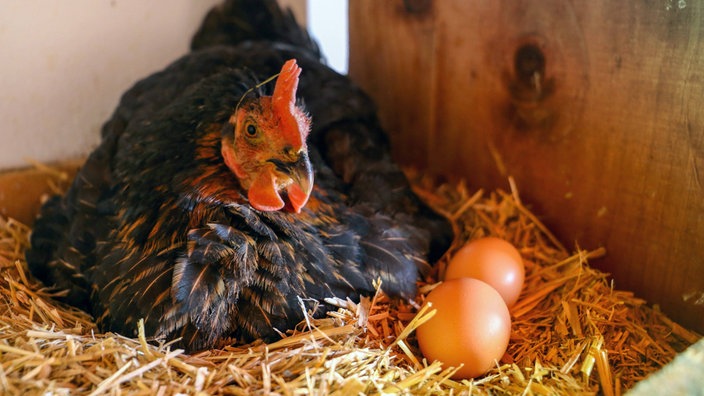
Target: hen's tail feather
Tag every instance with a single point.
(359, 153)
(237, 21)
(58, 274)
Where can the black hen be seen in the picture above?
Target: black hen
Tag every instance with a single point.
(173, 220)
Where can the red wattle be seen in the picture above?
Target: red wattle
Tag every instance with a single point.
(297, 196)
(262, 193)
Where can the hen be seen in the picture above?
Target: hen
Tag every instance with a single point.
(217, 208)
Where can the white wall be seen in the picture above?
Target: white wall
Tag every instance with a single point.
(327, 23)
(64, 64)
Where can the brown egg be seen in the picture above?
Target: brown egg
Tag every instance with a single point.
(492, 260)
(471, 327)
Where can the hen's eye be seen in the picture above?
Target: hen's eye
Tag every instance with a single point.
(251, 130)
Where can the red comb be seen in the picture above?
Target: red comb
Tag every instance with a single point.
(284, 102)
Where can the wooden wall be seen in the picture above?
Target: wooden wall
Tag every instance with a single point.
(595, 108)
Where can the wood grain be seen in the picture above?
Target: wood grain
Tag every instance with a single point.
(596, 110)
(22, 190)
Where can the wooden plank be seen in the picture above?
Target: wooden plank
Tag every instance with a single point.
(594, 108)
(21, 190)
(394, 45)
(682, 376)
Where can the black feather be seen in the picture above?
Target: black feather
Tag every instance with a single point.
(156, 226)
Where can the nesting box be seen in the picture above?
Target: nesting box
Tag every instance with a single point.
(593, 108)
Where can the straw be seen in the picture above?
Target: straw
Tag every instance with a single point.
(572, 332)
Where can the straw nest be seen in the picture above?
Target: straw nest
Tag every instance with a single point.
(572, 332)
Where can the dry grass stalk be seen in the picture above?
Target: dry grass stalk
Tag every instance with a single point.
(573, 333)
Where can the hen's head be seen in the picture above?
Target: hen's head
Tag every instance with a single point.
(266, 146)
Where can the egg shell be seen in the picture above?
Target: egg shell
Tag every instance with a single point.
(471, 326)
(492, 260)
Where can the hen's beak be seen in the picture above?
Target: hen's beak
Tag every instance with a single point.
(293, 180)
(301, 173)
